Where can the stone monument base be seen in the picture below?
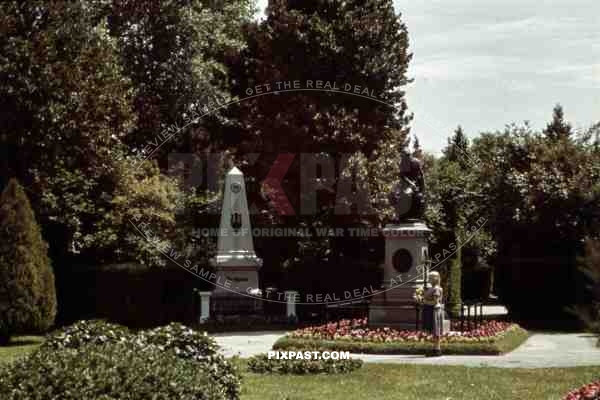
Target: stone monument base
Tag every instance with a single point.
(236, 293)
(391, 309)
(394, 308)
(229, 304)
(404, 269)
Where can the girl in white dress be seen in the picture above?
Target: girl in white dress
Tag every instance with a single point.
(433, 300)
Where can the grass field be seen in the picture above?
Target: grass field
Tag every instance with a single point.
(388, 381)
(399, 382)
(19, 346)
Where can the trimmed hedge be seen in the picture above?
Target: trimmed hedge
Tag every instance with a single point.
(507, 342)
(307, 365)
(129, 294)
(115, 371)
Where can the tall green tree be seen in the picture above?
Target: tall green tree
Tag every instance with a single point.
(64, 101)
(174, 52)
(457, 149)
(454, 203)
(27, 292)
(558, 129)
(541, 197)
(358, 43)
(65, 109)
(362, 43)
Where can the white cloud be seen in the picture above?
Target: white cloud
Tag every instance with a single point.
(485, 64)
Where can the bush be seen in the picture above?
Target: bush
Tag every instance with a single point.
(176, 339)
(306, 365)
(27, 293)
(185, 342)
(87, 332)
(114, 371)
(189, 344)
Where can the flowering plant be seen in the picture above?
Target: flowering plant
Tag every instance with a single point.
(358, 329)
(588, 392)
(419, 294)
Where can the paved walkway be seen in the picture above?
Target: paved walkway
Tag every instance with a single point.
(541, 350)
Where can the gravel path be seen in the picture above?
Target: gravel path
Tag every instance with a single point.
(541, 350)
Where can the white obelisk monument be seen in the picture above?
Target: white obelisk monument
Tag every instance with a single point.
(236, 262)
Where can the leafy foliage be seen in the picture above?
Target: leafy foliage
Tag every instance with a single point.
(174, 53)
(65, 108)
(27, 292)
(173, 339)
(65, 103)
(80, 81)
(81, 333)
(102, 213)
(453, 211)
(108, 372)
(360, 43)
(189, 344)
(558, 129)
(186, 342)
(590, 264)
(262, 364)
(540, 195)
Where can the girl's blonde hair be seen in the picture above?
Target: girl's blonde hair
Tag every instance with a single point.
(436, 275)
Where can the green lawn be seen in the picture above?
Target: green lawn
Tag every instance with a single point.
(19, 346)
(398, 382)
(389, 381)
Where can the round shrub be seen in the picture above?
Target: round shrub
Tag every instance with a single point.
(114, 371)
(307, 365)
(96, 332)
(175, 339)
(185, 342)
(189, 344)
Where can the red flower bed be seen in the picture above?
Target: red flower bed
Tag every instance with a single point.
(357, 329)
(588, 392)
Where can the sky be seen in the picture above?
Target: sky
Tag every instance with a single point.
(484, 64)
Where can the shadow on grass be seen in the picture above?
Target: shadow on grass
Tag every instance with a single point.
(22, 342)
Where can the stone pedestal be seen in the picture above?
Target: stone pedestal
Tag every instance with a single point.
(204, 306)
(291, 297)
(405, 268)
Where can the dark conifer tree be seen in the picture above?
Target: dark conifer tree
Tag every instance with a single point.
(27, 292)
(558, 129)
